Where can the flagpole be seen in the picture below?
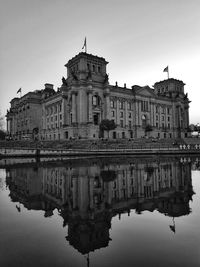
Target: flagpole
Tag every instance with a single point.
(85, 45)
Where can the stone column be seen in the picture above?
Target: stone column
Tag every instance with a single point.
(74, 107)
(139, 113)
(64, 111)
(7, 125)
(152, 114)
(126, 114)
(134, 118)
(117, 113)
(186, 115)
(89, 102)
(107, 105)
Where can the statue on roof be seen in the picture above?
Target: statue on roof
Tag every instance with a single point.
(186, 96)
(64, 82)
(74, 76)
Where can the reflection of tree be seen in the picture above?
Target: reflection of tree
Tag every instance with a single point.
(149, 170)
(2, 184)
(108, 175)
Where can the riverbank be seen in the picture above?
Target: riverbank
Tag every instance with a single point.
(99, 147)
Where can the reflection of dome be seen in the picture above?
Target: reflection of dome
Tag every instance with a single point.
(89, 235)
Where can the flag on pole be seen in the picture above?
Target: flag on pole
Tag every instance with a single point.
(173, 227)
(166, 69)
(19, 91)
(85, 45)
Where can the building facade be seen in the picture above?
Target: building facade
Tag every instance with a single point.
(85, 98)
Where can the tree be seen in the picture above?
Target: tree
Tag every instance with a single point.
(2, 121)
(2, 130)
(107, 125)
(2, 134)
(148, 128)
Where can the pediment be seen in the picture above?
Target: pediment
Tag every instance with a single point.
(146, 91)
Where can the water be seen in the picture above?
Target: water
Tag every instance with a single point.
(100, 212)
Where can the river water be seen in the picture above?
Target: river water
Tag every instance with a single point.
(128, 211)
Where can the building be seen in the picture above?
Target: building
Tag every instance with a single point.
(85, 98)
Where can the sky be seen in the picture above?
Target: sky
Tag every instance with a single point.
(138, 38)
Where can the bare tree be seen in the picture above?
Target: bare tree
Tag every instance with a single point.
(2, 129)
(2, 121)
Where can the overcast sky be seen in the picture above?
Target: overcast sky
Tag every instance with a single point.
(139, 38)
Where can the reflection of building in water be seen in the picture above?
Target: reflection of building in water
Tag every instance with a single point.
(88, 193)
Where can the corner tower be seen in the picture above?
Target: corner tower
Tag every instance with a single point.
(173, 90)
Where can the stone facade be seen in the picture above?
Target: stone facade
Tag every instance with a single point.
(86, 98)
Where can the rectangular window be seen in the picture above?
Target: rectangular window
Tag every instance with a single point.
(163, 118)
(121, 105)
(113, 113)
(168, 118)
(129, 124)
(121, 115)
(121, 123)
(60, 116)
(112, 104)
(129, 105)
(129, 115)
(157, 109)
